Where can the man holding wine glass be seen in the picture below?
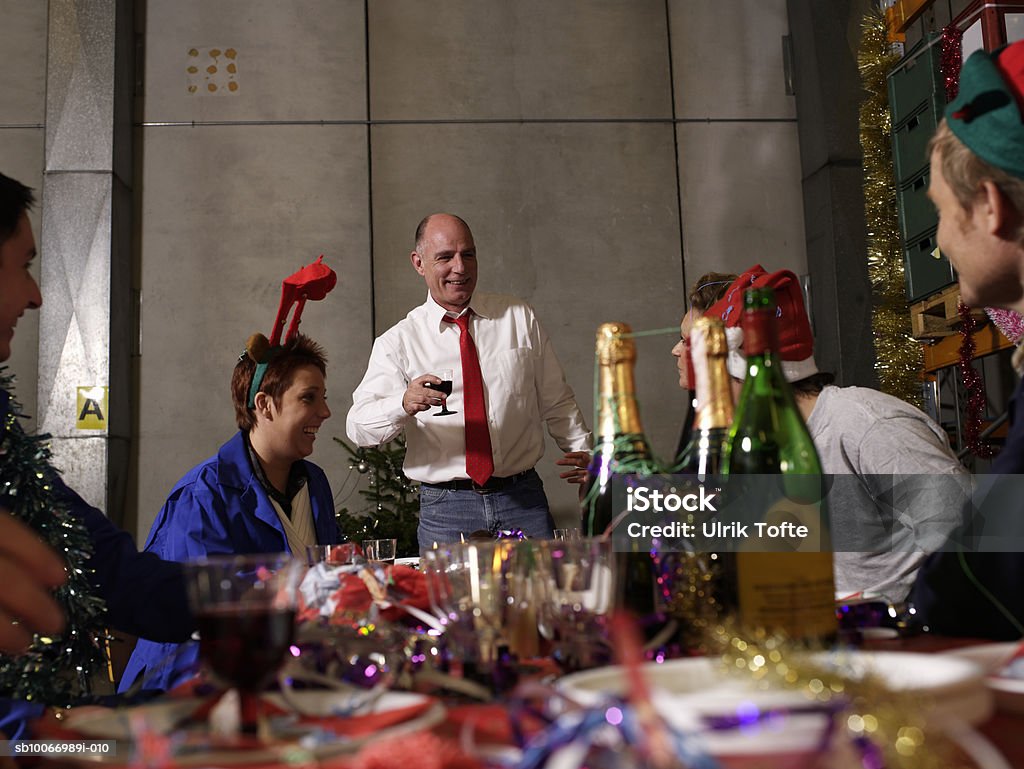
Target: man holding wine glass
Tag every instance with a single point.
(475, 457)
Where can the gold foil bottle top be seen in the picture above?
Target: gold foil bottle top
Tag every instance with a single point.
(616, 355)
(712, 330)
(613, 346)
(709, 349)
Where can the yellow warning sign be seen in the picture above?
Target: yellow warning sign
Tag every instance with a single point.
(92, 408)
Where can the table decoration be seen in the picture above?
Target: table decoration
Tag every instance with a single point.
(171, 732)
(763, 696)
(361, 624)
(362, 592)
(1004, 671)
(622, 730)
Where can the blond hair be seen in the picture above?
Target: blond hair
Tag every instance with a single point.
(965, 172)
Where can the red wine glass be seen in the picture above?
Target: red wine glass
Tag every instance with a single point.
(245, 610)
(445, 375)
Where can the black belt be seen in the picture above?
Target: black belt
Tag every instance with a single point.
(494, 483)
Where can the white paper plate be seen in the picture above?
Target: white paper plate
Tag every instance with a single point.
(687, 691)
(991, 657)
(413, 561)
(96, 723)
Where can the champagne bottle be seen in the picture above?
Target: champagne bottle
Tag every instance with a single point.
(788, 588)
(697, 580)
(704, 455)
(622, 449)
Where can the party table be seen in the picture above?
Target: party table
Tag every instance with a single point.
(488, 726)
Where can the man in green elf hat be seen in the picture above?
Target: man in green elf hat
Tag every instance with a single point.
(977, 186)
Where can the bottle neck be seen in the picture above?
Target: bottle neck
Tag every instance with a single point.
(759, 337)
(714, 394)
(618, 413)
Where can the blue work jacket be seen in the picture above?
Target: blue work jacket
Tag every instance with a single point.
(218, 507)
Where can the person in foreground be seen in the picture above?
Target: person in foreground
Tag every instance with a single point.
(973, 587)
(258, 494)
(897, 488)
(475, 467)
(105, 581)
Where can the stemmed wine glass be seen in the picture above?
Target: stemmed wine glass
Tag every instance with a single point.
(577, 578)
(477, 590)
(245, 610)
(445, 375)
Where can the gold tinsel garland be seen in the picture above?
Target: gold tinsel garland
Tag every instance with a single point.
(890, 727)
(898, 357)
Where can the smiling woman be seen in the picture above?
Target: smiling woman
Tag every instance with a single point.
(259, 494)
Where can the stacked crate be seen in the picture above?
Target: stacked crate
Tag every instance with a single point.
(917, 100)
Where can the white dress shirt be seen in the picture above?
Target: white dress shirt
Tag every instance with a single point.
(524, 387)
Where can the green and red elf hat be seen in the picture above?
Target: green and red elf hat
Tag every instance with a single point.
(988, 113)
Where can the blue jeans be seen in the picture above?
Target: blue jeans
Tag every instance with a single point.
(446, 513)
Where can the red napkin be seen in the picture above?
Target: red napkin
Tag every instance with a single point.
(409, 586)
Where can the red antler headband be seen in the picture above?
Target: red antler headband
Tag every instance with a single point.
(314, 281)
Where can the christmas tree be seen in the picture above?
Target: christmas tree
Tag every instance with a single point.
(393, 501)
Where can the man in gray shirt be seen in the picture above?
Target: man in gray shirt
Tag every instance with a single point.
(897, 488)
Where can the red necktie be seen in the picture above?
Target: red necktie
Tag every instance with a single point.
(479, 459)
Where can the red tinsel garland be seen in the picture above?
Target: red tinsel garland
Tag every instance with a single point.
(973, 385)
(952, 57)
(951, 60)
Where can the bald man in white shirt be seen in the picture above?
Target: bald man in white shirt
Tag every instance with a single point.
(523, 385)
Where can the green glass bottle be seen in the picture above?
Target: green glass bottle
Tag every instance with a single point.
(780, 585)
(622, 449)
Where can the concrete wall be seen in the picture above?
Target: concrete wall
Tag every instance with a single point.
(605, 152)
(22, 116)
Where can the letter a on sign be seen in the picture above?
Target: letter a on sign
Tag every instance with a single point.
(92, 408)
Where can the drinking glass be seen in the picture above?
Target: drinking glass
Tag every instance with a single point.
(562, 534)
(332, 554)
(576, 579)
(382, 550)
(467, 587)
(245, 610)
(446, 377)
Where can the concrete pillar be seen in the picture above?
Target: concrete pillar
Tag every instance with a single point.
(86, 324)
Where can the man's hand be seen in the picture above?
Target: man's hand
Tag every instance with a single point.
(579, 461)
(29, 570)
(419, 397)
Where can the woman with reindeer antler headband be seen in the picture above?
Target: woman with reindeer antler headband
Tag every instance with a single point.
(258, 494)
